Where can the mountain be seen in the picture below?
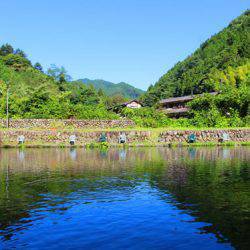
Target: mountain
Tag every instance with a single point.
(112, 89)
(228, 49)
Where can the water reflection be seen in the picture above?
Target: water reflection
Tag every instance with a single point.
(73, 153)
(21, 154)
(157, 195)
(122, 154)
(192, 153)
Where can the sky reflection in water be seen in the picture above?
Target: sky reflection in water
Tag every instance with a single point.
(183, 198)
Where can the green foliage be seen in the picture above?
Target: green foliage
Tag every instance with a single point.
(101, 145)
(93, 112)
(220, 64)
(82, 94)
(228, 107)
(146, 117)
(34, 94)
(228, 48)
(115, 102)
(20, 53)
(6, 49)
(58, 73)
(16, 62)
(38, 66)
(212, 117)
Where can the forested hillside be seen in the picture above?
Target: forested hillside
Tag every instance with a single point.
(112, 89)
(202, 71)
(34, 94)
(221, 64)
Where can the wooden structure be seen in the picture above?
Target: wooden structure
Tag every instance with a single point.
(176, 106)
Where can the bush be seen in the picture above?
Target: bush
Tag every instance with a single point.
(147, 117)
(16, 61)
(92, 112)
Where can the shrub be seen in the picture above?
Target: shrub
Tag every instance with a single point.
(16, 61)
(147, 117)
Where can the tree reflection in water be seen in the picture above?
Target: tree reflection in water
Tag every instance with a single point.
(211, 185)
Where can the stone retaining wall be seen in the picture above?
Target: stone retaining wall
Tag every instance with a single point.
(57, 137)
(205, 135)
(70, 123)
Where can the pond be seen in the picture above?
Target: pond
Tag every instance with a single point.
(134, 198)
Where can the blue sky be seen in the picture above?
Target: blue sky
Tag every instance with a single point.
(135, 41)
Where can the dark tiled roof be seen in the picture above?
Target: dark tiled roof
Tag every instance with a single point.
(183, 98)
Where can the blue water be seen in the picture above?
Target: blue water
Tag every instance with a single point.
(147, 199)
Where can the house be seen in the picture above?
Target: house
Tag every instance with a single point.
(176, 106)
(133, 104)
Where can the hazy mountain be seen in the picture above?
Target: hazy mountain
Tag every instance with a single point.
(111, 89)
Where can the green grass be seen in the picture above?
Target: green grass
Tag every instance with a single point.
(245, 143)
(134, 144)
(70, 129)
(97, 145)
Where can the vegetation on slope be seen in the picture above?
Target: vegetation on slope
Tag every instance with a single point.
(34, 94)
(226, 50)
(222, 64)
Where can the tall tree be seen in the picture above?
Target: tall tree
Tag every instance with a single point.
(38, 66)
(58, 73)
(20, 53)
(6, 49)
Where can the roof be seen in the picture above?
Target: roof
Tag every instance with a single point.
(183, 98)
(126, 103)
(176, 110)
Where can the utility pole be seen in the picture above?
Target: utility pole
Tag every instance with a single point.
(7, 106)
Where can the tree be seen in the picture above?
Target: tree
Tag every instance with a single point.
(20, 53)
(115, 102)
(100, 93)
(17, 62)
(58, 73)
(228, 48)
(6, 49)
(38, 66)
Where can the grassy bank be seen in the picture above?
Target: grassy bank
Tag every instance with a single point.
(162, 129)
(127, 145)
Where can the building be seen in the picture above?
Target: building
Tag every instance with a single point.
(133, 104)
(176, 106)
